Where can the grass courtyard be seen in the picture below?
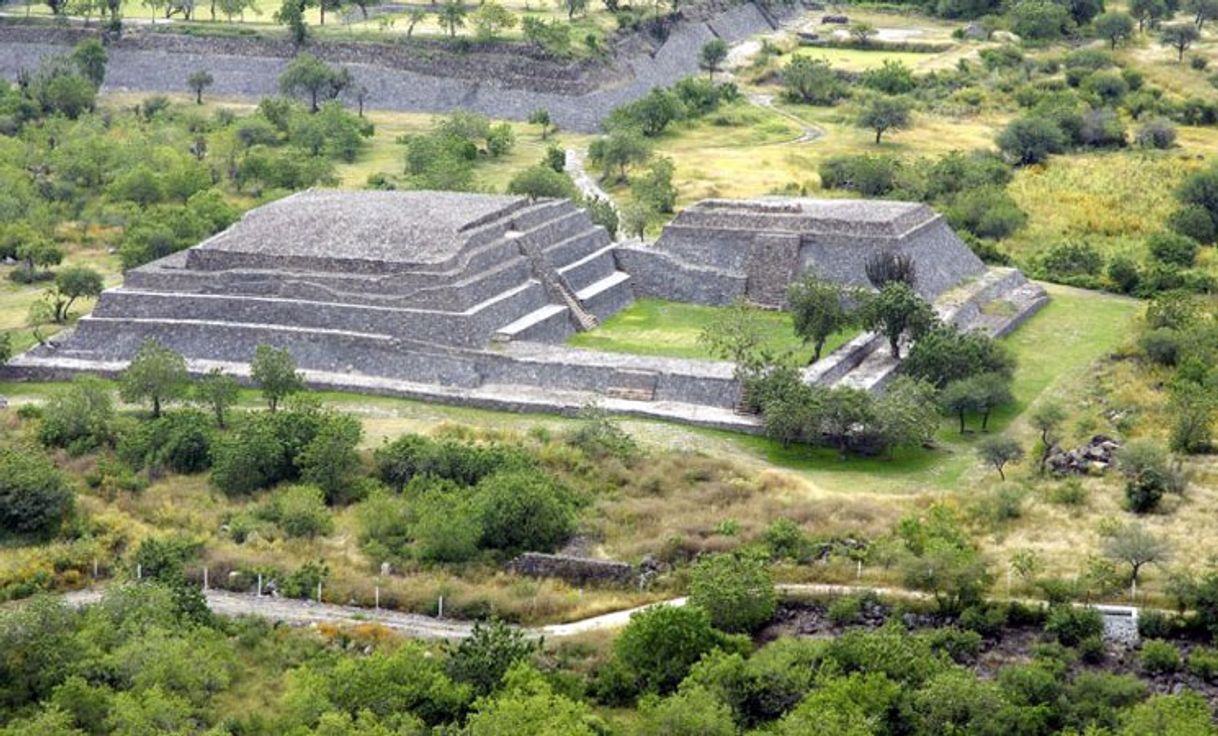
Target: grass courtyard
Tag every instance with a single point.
(671, 329)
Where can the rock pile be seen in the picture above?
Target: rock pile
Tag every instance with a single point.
(837, 19)
(1094, 457)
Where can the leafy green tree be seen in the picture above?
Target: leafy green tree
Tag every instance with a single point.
(818, 309)
(528, 704)
(524, 511)
(330, 461)
(37, 253)
(693, 711)
(485, 656)
(712, 55)
(300, 511)
(492, 18)
(1191, 408)
(957, 576)
(906, 413)
(660, 644)
(946, 353)
(1180, 36)
(541, 181)
(633, 219)
(842, 411)
(960, 398)
(999, 451)
(1186, 714)
(862, 31)
(157, 374)
(35, 497)
(884, 113)
(79, 418)
(541, 118)
(91, 58)
(1148, 474)
(312, 78)
(291, 15)
(737, 334)
(452, 16)
(218, 391)
(736, 591)
(1030, 140)
(72, 283)
(1147, 11)
(1113, 26)
(249, 458)
(619, 150)
(1135, 545)
(812, 81)
(199, 81)
(654, 112)
(655, 188)
(1047, 420)
(891, 78)
(274, 372)
(896, 310)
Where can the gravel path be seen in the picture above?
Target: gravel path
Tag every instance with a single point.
(808, 132)
(584, 182)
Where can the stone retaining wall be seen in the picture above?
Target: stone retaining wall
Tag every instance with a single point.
(577, 570)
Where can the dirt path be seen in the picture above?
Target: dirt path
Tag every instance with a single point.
(586, 183)
(809, 132)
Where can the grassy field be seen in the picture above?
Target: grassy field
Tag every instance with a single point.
(671, 329)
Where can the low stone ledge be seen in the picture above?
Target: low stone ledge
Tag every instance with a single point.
(577, 570)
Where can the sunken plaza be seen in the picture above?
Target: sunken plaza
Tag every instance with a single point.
(470, 298)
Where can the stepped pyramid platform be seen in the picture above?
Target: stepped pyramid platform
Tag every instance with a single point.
(469, 298)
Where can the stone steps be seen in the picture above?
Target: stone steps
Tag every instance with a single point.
(575, 248)
(605, 297)
(590, 269)
(550, 323)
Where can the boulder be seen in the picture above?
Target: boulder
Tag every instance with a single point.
(975, 32)
(1093, 458)
(835, 19)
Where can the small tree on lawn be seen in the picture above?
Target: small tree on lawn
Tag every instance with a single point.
(541, 118)
(1047, 419)
(883, 113)
(1114, 26)
(1179, 36)
(862, 32)
(960, 398)
(217, 391)
(452, 16)
(738, 335)
(818, 310)
(274, 371)
(157, 374)
(1136, 546)
(999, 451)
(199, 81)
(712, 55)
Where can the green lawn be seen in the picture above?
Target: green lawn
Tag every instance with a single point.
(671, 329)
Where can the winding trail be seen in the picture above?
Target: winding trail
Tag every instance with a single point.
(586, 183)
(809, 132)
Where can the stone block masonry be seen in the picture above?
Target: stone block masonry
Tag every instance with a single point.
(467, 298)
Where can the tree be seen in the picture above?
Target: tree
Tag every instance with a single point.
(812, 81)
(712, 55)
(541, 118)
(1046, 419)
(655, 188)
(1148, 475)
(862, 32)
(329, 460)
(490, 19)
(1179, 36)
(738, 335)
(619, 150)
(946, 353)
(6, 348)
(736, 591)
(72, 283)
(38, 252)
(1202, 11)
(883, 113)
(217, 391)
(1030, 140)
(1114, 26)
(485, 656)
(452, 16)
(818, 309)
(274, 372)
(1147, 11)
(80, 418)
(693, 711)
(575, 7)
(157, 373)
(35, 497)
(524, 512)
(291, 14)
(660, 644)
(413, 18)
(993, 390)
(541, 181)
(998, 451)
(906, 413)
(955, 575)
(891, 78)
(309, 76)
(1136, 546)
(896, 310)
(960, 398)
(199, 81)
(633, 219)
(91, 58)
(527, 704)
(1191, 409)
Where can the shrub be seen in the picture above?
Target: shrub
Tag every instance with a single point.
(466, 464)
(1159, 657)
(524, 511)
(1070, 625)
(660, 644)
(1173, 248)
(1071, 259)
(1123, 273)
(1031, 140)
(35, 497)
(80, 418)
(1148, 475)
(1203, 662)
(1154, 624)
(987, 213)
(1161, 346)
(251, 457)
(446, 527)
(961, 646)
(179, 442)
(844, 610)
(1198, 62)
(786, 540)
(1194, 221)
(329, 459)
(737, 592)
(1156, 133)
(484, 657)
(300, 511)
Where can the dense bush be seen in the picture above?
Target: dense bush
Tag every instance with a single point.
(1173, 248)
(35, 497)
(736, 591)
(656, 650)
(466, 464)
(524, 511)
(300, 511)
(79, 418)
(179, 442)
(1159, 657)
(1070, 625)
